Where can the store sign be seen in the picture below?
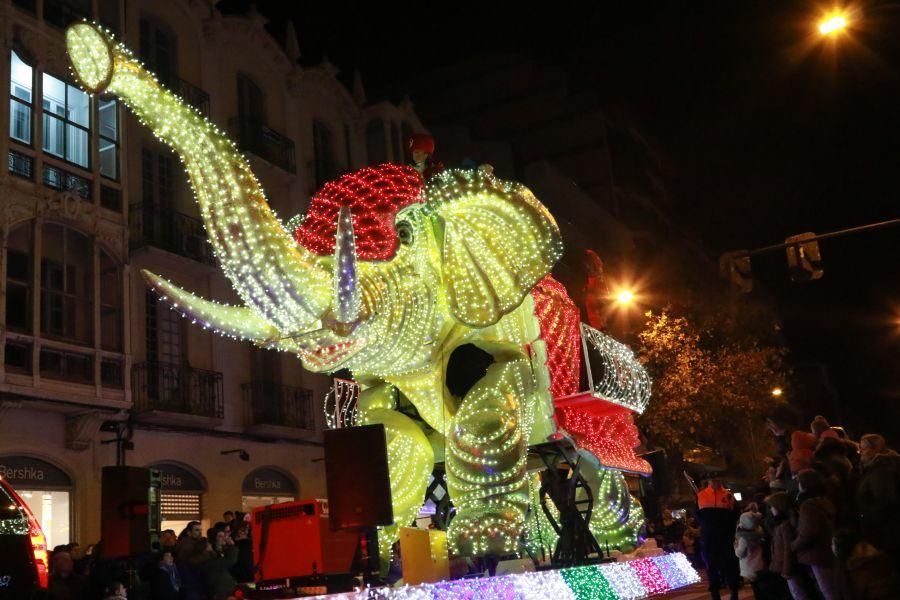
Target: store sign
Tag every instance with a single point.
(24, 472)
(175, 478)
(269, 482)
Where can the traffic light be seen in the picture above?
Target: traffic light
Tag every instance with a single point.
(735, 267)
(803, 257)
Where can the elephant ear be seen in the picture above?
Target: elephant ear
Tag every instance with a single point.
(498, 242)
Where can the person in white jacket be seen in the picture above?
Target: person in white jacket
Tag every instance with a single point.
(748, 547)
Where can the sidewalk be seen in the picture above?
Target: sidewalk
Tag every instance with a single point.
(698, 591)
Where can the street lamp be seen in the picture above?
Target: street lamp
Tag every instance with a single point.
(625, 297)
(833, 24)
(777, 392)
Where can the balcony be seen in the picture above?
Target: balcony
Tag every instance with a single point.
(170, 230)
(260, 139)
(191, 94)
(167, 393)
(277, 409)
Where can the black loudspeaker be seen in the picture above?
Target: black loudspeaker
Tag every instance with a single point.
(662, 475)
(356, 475)
(130, 517)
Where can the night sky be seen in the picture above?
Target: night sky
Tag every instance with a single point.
(769, 131)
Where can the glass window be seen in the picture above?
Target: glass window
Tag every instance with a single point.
(405, 135)
(251, 101)
(108, 14)
(109, 138)
(63, 13)
(51, 509)
(19, 263)
(66, 121)
(323, 149)
(376, 145)
(395, 143)
(248, 503)
(67, 286)
(110, 303)
(158, 50)
(20, 99)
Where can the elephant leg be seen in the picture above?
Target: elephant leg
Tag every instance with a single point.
(485, 462)
(410, 462)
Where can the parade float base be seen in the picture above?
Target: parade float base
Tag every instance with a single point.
(630, 580)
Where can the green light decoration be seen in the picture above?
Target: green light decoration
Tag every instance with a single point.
(473, 249)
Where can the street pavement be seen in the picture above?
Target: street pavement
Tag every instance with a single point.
(698, 591)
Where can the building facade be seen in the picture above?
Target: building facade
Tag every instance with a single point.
(94, 367)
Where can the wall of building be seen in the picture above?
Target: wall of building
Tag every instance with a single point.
(58, 421)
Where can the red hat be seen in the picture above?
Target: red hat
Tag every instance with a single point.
(374, 195)
(422, 142)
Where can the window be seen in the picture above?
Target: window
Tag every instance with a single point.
(406, 134)
(158, 50)
(164, 332)
(20, 99)
(27, 5)
(157, 179)
(395, 143)
(324, 154)
(19, 275)
(110, 303)
(376, 145)
(109, 138)
(63, 13)
(251, 101)
(17, 357)
(67, 285)
(66, 121)
(108, 14)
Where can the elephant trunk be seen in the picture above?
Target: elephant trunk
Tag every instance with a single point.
(271, 273)
(346, 303)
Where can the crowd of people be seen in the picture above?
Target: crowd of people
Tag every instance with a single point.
(824, 526)
(187, 566)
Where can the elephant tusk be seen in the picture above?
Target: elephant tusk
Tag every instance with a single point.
(234, 321)
(346, 291)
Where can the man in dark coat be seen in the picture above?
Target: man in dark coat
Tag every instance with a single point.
(878, 494)
(718, 519)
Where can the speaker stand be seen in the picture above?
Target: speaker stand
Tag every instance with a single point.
(366, 563)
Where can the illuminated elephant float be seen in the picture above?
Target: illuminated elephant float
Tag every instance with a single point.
(386, 276)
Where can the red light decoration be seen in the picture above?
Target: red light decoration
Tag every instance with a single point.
(604, 428)
(559, 319)
(374, 195)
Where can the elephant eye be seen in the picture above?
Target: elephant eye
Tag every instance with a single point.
(405, 233)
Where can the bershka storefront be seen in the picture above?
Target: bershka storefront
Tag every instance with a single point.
(181, 494)
(48, 492)
(267, 485)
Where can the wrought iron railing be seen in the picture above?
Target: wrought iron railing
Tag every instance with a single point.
(271, 403)
(21, 165)
(177, 388)
(60, 179)
(150, 225)
(260, 139)
(193, 95)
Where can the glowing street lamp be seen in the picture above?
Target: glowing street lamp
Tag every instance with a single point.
(777, 392)
(625, 297)
(833, 24)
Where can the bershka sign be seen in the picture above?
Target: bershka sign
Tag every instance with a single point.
(175, 478)
(27, 472)
(268, 481)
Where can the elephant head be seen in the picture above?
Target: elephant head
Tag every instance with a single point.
(383, 267)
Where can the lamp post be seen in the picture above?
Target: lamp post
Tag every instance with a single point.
(833, 24)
